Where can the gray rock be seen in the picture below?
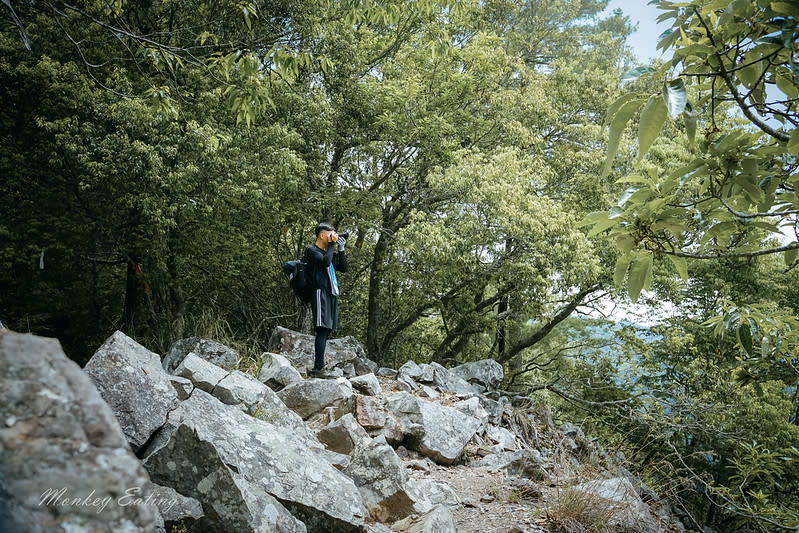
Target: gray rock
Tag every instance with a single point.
(203, 374)
(370, 412)
(363, 366)
(299, 349)
(377, 528)
(521, 463)
(238, 388)
(343, 435)
(421, 373)
(437, 520)
(60, 442)
(130, 379)
(438, 432)
(367, 384)
(384, 372)
(428, 493)
(339, 460)
(380, 477)
(211, 351)
(407, 384)
(504, 439)
(473, 407)
(618, 497)
(175, 508)
(250, 475)
(311, 396)
(183, 386)
(277, 371)
(428, 392)
(445, 380)
(486, 373)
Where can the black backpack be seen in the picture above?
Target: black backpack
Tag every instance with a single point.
(299, 278)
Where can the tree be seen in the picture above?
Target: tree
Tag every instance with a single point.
(733, 73)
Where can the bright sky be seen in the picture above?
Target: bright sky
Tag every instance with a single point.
(644, 40)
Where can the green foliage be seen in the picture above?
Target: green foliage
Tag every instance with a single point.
(737, 193)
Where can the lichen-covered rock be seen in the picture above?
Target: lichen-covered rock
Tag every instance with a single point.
(367, 384)
(133, 383)
(250, 475)
(428, 493)
(487, 373)
(203, 374)
(243, 391)
(209, 350)
(61, 445)
(277, 371)
(521, 463)
(311, 396)
(342, 435)
(380, 477)
(438, 432)
(437, 520)
(299, 349)
(175, 508)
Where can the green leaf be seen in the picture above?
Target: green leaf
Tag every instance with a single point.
(635, 73)
(793, 143)
(790, 256)
(617, 104)
(617, 126)
(652, 119)
(689, 117)
(622, 264)
(676, 96)
(681, 265)
(745, 337)
(640, 275)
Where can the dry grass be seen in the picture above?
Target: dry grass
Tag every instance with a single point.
(575, 511)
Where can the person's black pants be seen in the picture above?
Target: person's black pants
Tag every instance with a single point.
(319, 347)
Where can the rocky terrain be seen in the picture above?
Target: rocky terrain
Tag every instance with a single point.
(136, 441)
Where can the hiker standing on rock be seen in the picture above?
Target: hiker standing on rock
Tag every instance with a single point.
(324, 258)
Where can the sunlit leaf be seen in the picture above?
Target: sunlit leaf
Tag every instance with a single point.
(653, 117)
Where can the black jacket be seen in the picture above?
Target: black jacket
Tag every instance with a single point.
(318, 260)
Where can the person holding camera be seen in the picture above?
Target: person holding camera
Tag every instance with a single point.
(325, 258)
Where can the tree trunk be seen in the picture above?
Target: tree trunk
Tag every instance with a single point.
(131, 297)
(373, 308)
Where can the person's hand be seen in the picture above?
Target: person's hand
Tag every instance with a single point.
(341, 241)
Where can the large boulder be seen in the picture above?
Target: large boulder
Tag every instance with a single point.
(65, 463)
(299, 349)
(308, 397)
(250, 475)
(618, 498)
(133, 383)
(212, 351)
(380, 476)
(277, 371)
(203, 374)
(243, 391)
(437, 431)
(447, 381)
(487, 373)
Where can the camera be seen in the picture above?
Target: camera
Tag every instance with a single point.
(345, 235)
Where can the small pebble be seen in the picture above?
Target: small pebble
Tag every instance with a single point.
(10, 421)
(487, 498)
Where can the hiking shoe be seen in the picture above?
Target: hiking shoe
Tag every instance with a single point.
(322, 374)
